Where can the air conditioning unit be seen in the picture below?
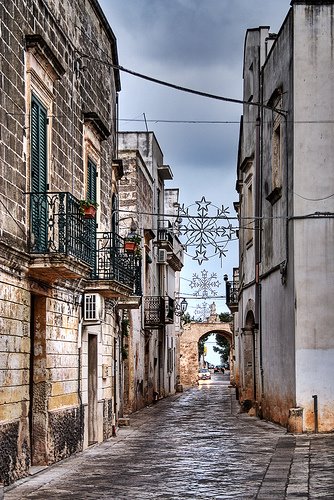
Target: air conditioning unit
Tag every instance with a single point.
(93, 307)
(162, 256)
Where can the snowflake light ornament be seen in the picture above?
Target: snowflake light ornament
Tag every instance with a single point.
(206, 234)
(202, 311)
(205, 284)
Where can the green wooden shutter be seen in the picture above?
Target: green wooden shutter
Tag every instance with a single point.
(91, 224)
(91, 181)
(38, 153)
(38, 147)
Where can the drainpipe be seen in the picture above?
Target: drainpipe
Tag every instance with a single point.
(315, 406)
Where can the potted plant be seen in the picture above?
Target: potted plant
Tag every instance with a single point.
(131, 243)
(88, 208)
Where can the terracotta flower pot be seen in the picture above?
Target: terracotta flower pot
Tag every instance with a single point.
(89, 212)
(130, 246)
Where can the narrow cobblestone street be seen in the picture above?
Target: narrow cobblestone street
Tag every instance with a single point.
(193, 445)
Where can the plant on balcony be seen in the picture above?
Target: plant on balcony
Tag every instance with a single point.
(88, 208)
(131, 243)
(124, 353)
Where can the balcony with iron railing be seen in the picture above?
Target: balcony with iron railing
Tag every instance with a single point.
(165, 239)
(63, 244)
(158, 311)
(168, 241)
(117, 267)
(232, 294)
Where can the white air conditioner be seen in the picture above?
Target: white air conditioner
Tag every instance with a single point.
(162, 256)
(93, 307)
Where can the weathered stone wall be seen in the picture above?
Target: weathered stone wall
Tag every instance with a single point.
(63, 26)
(40, 351)
(66, 433)
(14, 378)
(294, 149)
(14, 451)
(136, 197)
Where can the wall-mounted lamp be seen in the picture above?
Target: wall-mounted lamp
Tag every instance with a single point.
(180, 307)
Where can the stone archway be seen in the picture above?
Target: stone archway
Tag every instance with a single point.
(192, 332)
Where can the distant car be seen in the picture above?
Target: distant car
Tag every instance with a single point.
(204, 374)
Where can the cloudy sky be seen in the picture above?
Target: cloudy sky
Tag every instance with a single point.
(196, 44)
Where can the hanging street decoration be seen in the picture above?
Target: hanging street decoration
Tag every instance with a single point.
(207, 232)
(206, 284)
(202, 311)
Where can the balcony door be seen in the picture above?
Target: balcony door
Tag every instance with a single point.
(38, 167)
(92, 390)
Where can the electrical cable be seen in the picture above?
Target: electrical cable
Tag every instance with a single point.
(314, 199)
(180, 88)
(171, 85)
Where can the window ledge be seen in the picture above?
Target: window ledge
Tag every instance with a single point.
(38, 43)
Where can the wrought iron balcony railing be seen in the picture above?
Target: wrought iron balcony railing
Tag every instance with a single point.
(59, 228)
(232, 291)
(158, 311)
(165, 236)
(113, 263)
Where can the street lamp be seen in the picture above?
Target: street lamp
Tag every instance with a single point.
(180, 307)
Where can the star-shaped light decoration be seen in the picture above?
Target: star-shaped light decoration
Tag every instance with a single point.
(202, 311)
(207, 232)
(206, 285)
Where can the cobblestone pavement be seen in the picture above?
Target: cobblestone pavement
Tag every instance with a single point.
(194, 445)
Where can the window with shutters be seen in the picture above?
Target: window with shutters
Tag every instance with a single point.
(276, 149)
(41, 73)
(249, 222)
(115, 215)
(38, 146)
(92, 161)
(38, 173)
(91, 180)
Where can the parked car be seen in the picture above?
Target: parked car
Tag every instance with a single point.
(204, 374)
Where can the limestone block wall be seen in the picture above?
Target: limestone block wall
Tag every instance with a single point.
(14, 377)
(42, 416)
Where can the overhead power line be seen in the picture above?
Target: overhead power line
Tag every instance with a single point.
(181, 88)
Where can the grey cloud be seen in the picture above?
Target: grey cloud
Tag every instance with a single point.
(188, 32)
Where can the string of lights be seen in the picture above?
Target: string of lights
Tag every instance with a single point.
(249, 218)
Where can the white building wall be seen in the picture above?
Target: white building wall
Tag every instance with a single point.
(313, 192)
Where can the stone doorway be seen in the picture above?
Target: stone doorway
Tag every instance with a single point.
(92, 390)
(38, 384)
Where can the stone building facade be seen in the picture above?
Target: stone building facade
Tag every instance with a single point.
(149, 210)
(284, 340)
(62, 275)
